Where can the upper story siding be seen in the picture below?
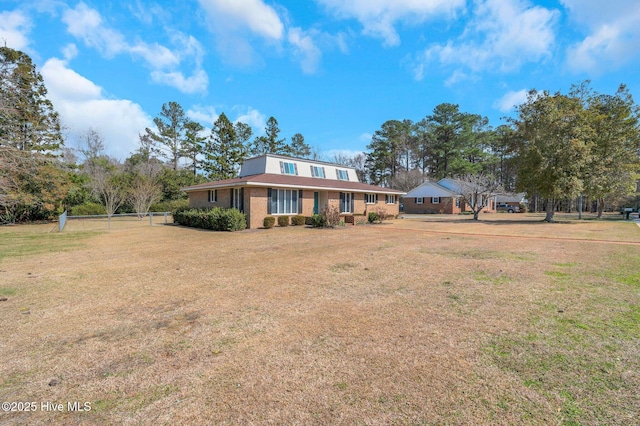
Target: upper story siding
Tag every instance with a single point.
(281, 165)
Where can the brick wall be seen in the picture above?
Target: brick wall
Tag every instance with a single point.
(200, 199)
(445, 206)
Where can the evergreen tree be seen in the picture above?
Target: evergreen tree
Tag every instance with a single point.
(224, 150)
(193, 144)
(28, 121)
(614, 159)
(269, 143)
(453, 143)
(170, 138)
(553, 135)
(298, 147)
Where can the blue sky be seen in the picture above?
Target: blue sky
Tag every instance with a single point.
(333, 70)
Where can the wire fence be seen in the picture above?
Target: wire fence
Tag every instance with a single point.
(115, 221)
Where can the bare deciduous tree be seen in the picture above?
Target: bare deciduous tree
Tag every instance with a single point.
(477, 190)
(144, 188)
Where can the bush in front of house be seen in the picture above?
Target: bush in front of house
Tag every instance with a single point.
(317, 221)
(372, 217)
(215, 219)
(269, 222)
(331, 216)
(283, 220)
(298, 220)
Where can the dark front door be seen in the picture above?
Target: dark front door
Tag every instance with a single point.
(315, 203)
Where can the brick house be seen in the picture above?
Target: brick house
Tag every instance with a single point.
(442, 197)
(272, 185)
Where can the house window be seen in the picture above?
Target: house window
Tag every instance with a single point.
(346, 202)
(420, 200)
(435, 200)
(213, 195)
(284, 201)
(457, 202)
(391, 199)
(371, 198)
(317, 172)
(288, 168)
(342, 174)
(237, 198)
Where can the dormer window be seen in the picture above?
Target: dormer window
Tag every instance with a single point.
(317, 172)
(288, 168)
(342, 174)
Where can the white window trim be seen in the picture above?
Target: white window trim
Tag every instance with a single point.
(435, 200)
(346, 174)
(391, 198)
(419, 200)
(372, 196)
(213, 199)
(288, 201)
(348, 202)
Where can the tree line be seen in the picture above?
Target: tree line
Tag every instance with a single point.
(40, 177)
(557, 146)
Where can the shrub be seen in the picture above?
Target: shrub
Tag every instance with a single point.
(372, 217)
(169, 205)
(87, 209)
(231, 220)
(331, 216)
(298, 220)
(317, 221)
(283, 220)
(216, 219)
(269, 222)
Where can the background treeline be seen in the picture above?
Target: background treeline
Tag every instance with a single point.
(557, 147)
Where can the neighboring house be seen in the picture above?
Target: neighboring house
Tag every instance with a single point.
(272, 185)
(439, 197)
(510, 199)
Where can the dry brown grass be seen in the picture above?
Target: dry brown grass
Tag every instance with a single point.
(409, 322)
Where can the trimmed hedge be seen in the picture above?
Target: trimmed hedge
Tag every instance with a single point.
(269, 222)
(283, 220)
(215, 219)
(297, 220)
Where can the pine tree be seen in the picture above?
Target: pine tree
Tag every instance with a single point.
(28, 120)
(223, 151)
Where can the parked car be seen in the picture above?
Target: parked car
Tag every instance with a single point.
(503, 207)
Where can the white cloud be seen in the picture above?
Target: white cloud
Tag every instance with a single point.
(511, 99)
(70, 51)
(193, 84)
(255, 15)
(614, 34)
(379, 17)
(510, 33)
(253, 118)
(205, 115)
(13, 29)
(236, 24)
(82, 105)
(86, 24)
(305, 49)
